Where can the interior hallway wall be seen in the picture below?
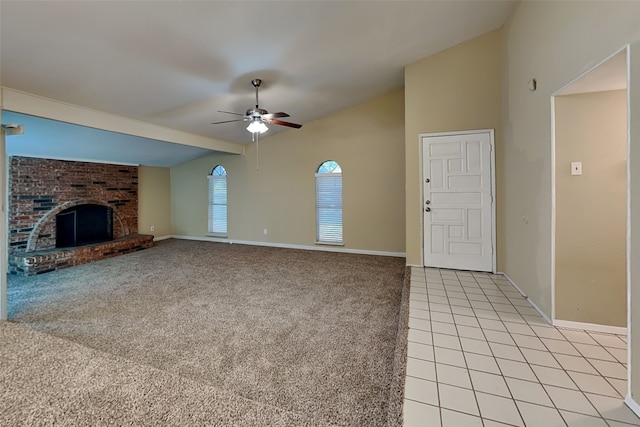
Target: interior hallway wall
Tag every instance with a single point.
(591, 209)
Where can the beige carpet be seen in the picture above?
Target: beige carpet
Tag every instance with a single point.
(226, 334)
(46, 381)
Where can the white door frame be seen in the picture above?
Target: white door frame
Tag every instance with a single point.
(627, 50)
(4, 240)
(492, 155)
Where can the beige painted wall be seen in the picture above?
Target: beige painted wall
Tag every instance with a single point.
(154, 201)
(554, 51)
(367, 141)
(555, 42)
(591, 209)
(456, 89)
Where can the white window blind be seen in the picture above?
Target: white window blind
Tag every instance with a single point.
(329, 206)
(218, 201)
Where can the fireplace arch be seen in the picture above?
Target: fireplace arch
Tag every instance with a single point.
(48, 221)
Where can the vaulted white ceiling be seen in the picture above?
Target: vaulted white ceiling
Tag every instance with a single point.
(176, 63)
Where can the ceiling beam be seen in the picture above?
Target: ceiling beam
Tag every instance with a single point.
(26, 103)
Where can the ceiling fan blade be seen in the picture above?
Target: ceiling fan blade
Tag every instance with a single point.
(228, 121)
(229, 112)
(288, 124)
(274, 115)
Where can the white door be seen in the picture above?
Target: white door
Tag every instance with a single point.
(458, 201)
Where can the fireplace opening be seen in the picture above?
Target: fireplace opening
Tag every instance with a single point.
(84, 224)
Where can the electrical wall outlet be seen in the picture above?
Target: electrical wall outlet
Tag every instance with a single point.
(153, 228)
(576, 168)
(265, 232)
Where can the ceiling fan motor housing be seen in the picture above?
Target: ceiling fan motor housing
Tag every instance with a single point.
(256, 112)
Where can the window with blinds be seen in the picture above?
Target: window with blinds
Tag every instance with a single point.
(218, 201)
(329, 203)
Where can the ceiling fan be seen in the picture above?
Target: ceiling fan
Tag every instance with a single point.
(257, 117)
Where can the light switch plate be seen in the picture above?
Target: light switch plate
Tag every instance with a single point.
(576, 168)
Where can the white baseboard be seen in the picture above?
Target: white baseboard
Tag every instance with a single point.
(533, 304)
(157, 239)
(506, 276)
(415, 265)
(593, 327)
(324, 248)
(617, 330)
(632, 404)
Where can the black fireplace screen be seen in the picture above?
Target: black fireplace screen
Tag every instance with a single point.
(84, 224)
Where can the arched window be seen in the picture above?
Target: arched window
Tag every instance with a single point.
(218, 201)
(329, 203)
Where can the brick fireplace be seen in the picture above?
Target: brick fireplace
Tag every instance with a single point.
(42, 189)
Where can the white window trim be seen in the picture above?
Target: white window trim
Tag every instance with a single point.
(322, 242)
(318, 242)
(221, 235)
(209, 225)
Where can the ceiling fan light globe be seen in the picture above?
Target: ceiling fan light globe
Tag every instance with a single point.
(257, 126)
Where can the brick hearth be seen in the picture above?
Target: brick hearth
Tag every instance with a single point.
(32, 263)
(39, 189)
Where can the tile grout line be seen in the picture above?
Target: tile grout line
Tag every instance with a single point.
(488, 289)
(534, 372)
(582, 392)
(435, 361)
(475, 394)
(500, 368)
(512, 334)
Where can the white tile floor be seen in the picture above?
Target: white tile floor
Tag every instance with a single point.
(480, 355)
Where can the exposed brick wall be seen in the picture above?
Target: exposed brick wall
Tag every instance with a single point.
(40, 188)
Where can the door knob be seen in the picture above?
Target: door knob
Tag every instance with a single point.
(428, 209)
(428, 202)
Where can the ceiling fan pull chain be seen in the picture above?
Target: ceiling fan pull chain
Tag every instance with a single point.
(257, 136)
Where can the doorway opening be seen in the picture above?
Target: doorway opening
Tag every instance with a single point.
(590, 181)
